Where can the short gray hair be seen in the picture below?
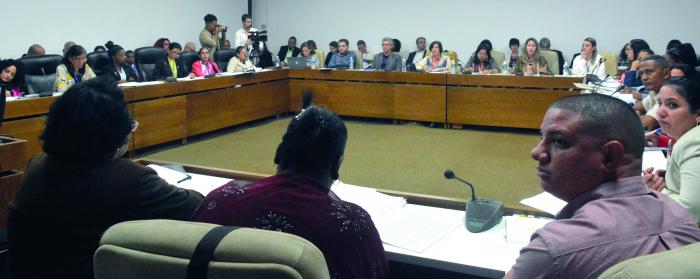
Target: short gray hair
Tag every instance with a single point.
(387, 39)
(545, 43)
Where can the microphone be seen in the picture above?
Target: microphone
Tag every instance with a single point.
(480, 214)
(592, 77)
(48, 85)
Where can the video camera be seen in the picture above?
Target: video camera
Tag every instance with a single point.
(258, 36)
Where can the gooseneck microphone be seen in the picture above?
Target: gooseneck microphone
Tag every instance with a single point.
(449, 174)
(480, 214)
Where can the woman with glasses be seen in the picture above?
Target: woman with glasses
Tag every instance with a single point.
(73, 69)
(204, 66)
(171, 66)
(80, 186)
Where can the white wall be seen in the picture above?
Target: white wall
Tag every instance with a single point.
(461, 25)
(129, 23)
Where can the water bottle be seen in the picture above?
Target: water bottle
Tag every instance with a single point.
(453, 67)
(314, 62)
(352, 63)
(505, 69)
(403, 66)
(566, 71)
(276, 60)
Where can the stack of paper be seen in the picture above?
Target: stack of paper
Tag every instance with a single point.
(545, 202)
(375, 203)
(200, 183)
(416, 228)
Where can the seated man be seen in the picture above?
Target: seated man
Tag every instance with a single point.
(415, 57)
(298, 199)
(653, 71)
(35, 50)
(290, 50)
(366, 55)
(387, 60)
(342, 58)
(590, 156)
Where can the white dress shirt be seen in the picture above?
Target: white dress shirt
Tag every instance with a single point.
(582, 67)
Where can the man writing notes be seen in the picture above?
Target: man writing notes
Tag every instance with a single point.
(590, 156)
(387, 60)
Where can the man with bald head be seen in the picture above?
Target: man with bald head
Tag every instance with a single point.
(590, 155)
(36, 50)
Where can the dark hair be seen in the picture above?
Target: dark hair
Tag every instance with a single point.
(606, 118)
(333, 44)
(174, 45)
(307, 45)
(648, 51)
(622, 56)
(487, 44)
(688, 72)
(315, 139)
(659, 60)
(292, 37)
(113, 49)
(438, 43)
(638, 44)
(397, 45)
(689, 89)
(513, 42)
(209, 18)
(74, 52)
(160, 42)
(673, 43)
(129, 52)
(18, 80)
(99, 48)
(33, 49)
(593, 44)
(537, 46)
(361, 42)
(476, 54)
(88, 123)
(419, 38)
(344, 41)
(203, 48)
(244, 17)
(685, 53)
(239, 49)
(312, 44)
(545, 42)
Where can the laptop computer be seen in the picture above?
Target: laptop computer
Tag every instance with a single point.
(297, 62)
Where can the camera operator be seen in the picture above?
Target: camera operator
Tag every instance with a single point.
(242, 35)
(209, 37)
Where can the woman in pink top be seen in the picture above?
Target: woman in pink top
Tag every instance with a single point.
(203, 66)
(11, 78)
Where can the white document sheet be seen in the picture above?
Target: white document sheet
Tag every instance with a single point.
(416, 228)
(545, 202)
(200, 183)
(375, 203)
(655, 159)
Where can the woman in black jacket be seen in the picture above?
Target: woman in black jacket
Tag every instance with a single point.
(118, 69)
(171, 66)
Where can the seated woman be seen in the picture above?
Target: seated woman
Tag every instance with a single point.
(309, 54)
(589, 61)
(118, 69)
(163, 43)
(298, 199)
(482, 63)
(240, 62)
(11, 78)
(203, 66)
(265, 59)
(513, 46)
(436, 61)
(73, 69)
(678, 117)
(80, 186)
(531, 62)
(171, 66)
(633, 52)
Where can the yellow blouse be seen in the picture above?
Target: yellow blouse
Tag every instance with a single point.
(64, 80)
(427, 64)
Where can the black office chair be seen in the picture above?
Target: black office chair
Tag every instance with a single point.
(188, 58)
(222, 56)
(97, 60)
(146, 59)
(40, 72)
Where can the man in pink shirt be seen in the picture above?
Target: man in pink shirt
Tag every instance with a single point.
(590, 155)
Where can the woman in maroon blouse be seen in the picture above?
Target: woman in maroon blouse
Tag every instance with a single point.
(298, 199)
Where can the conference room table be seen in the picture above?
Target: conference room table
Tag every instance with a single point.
(424, 232)
(175, 111)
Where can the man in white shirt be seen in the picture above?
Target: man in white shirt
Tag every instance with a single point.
(365, 55)
(242, 34)
(416, 56)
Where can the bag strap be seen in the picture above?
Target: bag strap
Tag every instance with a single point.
(203, 254)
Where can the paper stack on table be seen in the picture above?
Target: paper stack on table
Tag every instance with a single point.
(545, 202)
(200, 183)
(375, 203)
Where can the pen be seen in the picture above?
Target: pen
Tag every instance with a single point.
(186, 178)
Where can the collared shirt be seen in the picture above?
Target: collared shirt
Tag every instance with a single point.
(290, 53)
(618, 220)
(173, 66)
(342, 59)
(419, 56)
(366, 59)
(385, 58)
